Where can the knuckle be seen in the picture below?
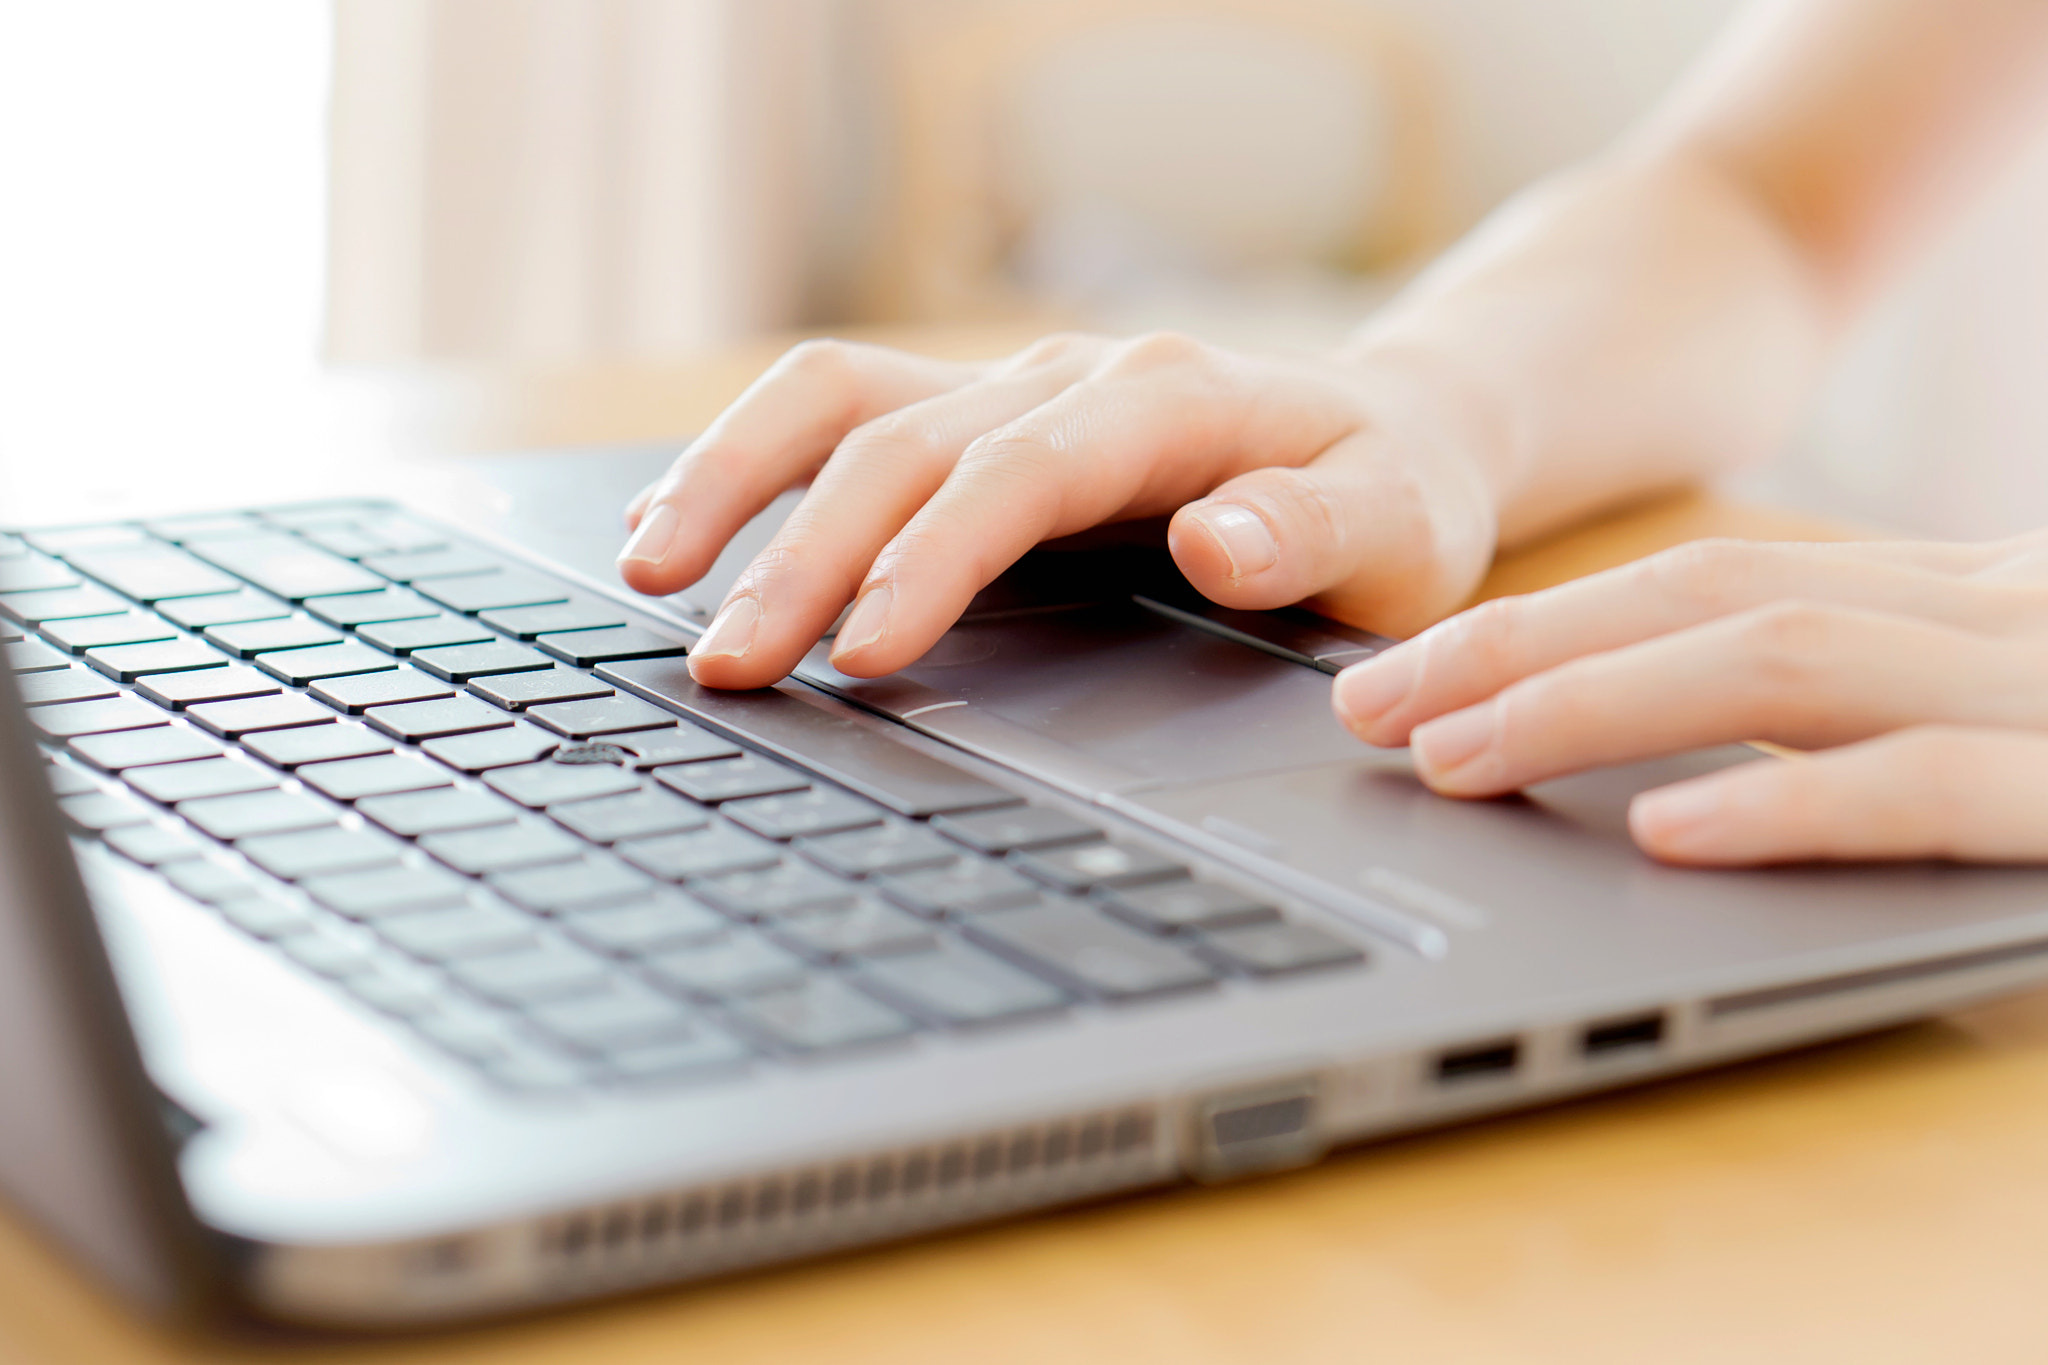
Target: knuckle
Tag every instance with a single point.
(824, 358)
(1936, 760)
(1788, 642)
(892, 441)
(1488, 635)
(1156, 351)
(1704, 573)
(1054, 348)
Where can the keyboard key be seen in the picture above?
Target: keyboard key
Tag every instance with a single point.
(91, 632)
(202, 526)
(392, 687)
(669, 919)
(545, 784)
(533, 976)
(33, 573)
(1020, 827)
(70, 719)
(473, 1033)
(821, 1014)
(126, 663)
(503, 848)
(286, 566)
(491, 591)
(706, 1051)
(316, 744)
(363, 608)
(705, 853)
(223, 608)
(1079, 867)
(140, 748)
(630, 815)
(588, 648)
(353, 778)
(448, 561)
(588, 882)
(1173, 906)
(213, 883)
(604, 716)
(302, 666)
(1277, 948)
(103, 810)
(284, 711)
(247, 639)
(62, 540)
(376, 536)
(728, 779)
(1077, 944)
(959, 984)
(33, 656)
(177, 782)
(736, 966)
(450, 935)
(264, 812)
(672, 744)
(388, 891)
(617, 1019)
(154, 845)
(412, 814)
(460, 663)
(867, 928)
(895, 847)
(61, 604)
(487, 749)
(774, 893)
(418, 720)
(151, 574)
(320, 852)
(578, 613)
(66, 779)
(968, 887)
(406, 993)
(264, 915)
(819, 811)
(426, 632)
(515, 691)
(232, 683)
(71, 683)
(321, 949)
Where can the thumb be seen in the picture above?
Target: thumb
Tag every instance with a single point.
(1387, 541)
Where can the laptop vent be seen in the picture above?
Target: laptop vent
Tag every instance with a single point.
(708, 1229)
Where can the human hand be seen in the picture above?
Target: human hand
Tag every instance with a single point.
(1351, 481)
(1918, 670)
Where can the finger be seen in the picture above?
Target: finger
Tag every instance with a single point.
(877, 479)
(1974, 795)
(1478, 652)
(777, 433)
(1794, 673)
(1160, 421)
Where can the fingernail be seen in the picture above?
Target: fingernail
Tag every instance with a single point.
(1450, 742)
(1243, 537)
(732, 631)
(866, 624)
(1367, 691)
(649, 543)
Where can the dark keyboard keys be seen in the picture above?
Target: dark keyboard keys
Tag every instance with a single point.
(487, 749)
(1080, 867)
(437, 811)
(867, 928)
(818, 811)
(286, 566)
(735, 966)
(545, 784)
(142, 748)
(673, 744)
(1078, 944)
(578, 613)
(503, 848)
(388, 891)
(894, 847)
(302, 666)
(959, 984)
(252, 813)
(418, 720)
(668, 919)
(69, 719)
(1277, 948)
(820, 1015)
(516, 691)
(71, 683)
(588, 648)
(586, 883)
(283, 711)
(232, 683)
(126, 663)
(703, 853)
(427, 632)
(92, 632)
(177, 782)
(394, 686)
(60, 604)
(968, 887)
(1020, 827)
(491, 591)
(1172, 906)
(604, 716)
(224, 608)
(247, 639)
(460, 663)
(446, 562)
(630, 815)
(729, 779)
(316, 744)
(362, 608)
(351, 779)
(320, 852)
(774, 893)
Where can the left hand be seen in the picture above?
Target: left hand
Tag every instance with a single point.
(1919, 670)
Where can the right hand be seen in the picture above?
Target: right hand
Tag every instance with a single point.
(1347, 480)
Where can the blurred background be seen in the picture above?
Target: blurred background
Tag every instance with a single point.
(276, 242)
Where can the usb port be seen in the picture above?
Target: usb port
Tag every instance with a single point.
(1494, 1059)
(1623, 1035)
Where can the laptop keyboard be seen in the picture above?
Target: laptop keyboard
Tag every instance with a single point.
(396, 759)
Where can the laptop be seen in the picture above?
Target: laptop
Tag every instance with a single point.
(392, 934)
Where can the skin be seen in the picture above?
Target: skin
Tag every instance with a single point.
(1646, 319)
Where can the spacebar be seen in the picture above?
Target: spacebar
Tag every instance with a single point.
(839, 747)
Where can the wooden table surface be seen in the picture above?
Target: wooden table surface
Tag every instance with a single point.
(1883, 1199)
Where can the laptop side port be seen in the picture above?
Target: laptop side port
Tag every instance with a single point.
(1489, 1060)
(1262, 1128)
(1639, 1033)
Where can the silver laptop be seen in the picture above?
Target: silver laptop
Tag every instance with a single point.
(391, 933)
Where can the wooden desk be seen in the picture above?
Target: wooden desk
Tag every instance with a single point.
(1877, 1200)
